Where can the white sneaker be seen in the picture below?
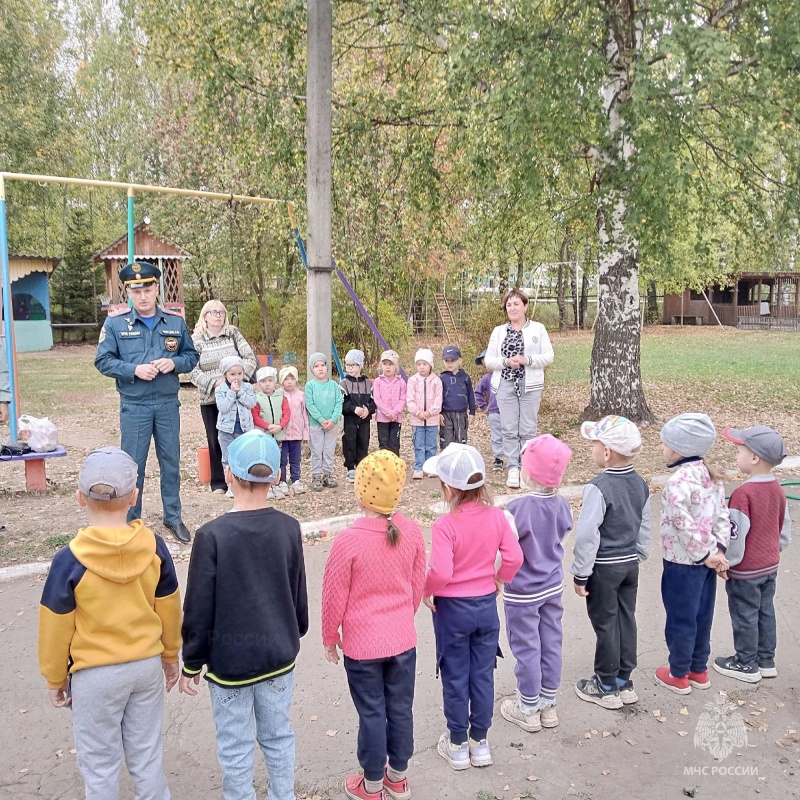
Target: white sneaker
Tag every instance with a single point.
(457, 756)
(351, 476)
(513, 478)
(529, 721)
(417, 476)
(480, 754)
(298, 488)
(229, 493)
(284, 487)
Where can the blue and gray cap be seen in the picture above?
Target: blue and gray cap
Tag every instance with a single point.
(253, 448)
(107, 466)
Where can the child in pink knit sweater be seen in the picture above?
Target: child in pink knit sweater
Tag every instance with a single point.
(460, 589)
(371, 590)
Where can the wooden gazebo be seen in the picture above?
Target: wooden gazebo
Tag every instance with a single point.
(147, 246)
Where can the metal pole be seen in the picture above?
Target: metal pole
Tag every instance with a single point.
(318, 175)
(8, 321)
(131, 254)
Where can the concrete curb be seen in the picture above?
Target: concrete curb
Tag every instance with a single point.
(24, 571)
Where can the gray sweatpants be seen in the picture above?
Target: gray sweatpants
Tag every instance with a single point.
(323, 448)
(496, 432)
(118, 708)
(517, 419)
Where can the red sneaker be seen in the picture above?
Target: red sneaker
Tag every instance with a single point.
(354, 788)
(396, 790)
(699, 680)
(677, 685)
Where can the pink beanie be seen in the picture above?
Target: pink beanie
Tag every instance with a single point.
(545, 459)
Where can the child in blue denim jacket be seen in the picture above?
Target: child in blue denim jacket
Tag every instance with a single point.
(235, 400)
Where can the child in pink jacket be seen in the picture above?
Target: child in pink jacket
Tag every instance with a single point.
(296, 431)
(424, 393)
(389, 394)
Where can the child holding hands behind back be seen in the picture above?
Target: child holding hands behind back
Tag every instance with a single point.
(371, 590)
(532, 599)
(695, 533)
(461, 588)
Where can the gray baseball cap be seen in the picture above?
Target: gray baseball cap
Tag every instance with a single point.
(689, 434)
(108, 466)
(761, 440)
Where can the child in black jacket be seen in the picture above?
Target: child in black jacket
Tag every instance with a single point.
(357, 410)
(458, 397)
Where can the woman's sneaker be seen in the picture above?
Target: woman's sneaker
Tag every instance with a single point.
(298, 488)
(669, 681)
(480, 754)
(628, 694)
(734, 668)
(767, 669)
(527, 720)
(351, 476)
(512, 482)
(549, 717)
(456, 755)
(699, 680)
(592, 691)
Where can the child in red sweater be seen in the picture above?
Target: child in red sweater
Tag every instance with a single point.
(371, 590)
(461, 588)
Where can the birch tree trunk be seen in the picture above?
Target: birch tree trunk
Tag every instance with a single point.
(615, 374)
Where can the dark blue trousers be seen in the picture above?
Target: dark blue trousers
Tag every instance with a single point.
(158, 420)
(752, 607)
(688, 592)
(467, 634)
(383, 694)
(291, 453)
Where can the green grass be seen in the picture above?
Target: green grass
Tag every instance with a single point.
(57, 542)
(729, 359)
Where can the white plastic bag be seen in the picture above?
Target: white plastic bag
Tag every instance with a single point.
(42, 434)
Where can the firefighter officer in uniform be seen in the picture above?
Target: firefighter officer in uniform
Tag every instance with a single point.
(145, 348)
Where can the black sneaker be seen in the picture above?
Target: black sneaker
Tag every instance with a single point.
(316, 483)
(593, 691)
(733, 668)
(767, 669)
(498, 465)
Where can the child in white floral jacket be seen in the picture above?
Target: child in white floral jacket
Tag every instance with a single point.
(695, 533)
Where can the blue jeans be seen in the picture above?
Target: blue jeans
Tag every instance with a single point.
(752, 609)
(467, 641)
(225, 440)
(424, 438)
(688, 592)
(291, 452)
(234, 708)
(383, 694)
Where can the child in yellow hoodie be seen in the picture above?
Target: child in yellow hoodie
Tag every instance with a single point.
(109, 623)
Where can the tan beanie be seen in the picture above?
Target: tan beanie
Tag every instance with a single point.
(380, 478)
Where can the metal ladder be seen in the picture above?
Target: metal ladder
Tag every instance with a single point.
(446, 317)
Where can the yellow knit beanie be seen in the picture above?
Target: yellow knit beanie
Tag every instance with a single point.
(380, 478)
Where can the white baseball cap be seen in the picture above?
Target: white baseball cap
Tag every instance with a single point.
(616, 433)
(456, 464)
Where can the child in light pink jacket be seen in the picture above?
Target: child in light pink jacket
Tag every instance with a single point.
(424, 401)
(389, 394)
(296, 431)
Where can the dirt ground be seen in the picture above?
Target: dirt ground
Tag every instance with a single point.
(644, 751)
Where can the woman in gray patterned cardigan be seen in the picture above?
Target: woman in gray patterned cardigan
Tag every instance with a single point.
(215, 338)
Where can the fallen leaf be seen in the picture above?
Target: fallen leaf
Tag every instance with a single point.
(684, 711)
(593, 732)
(777, 705)
(763, 710)
(606, 733)
(23, 711)
(505, 788)
(606, 772)
(631, 742)
(533, 777)
(683, 733)
(740, 702)
(656, 712)
(587, 735)
(313, 717)
(526, 756)
(331, 733)
(73, 751)
(20, 613)
(661, 719)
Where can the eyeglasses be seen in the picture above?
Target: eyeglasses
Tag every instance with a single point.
(352, 365)
(215, 312)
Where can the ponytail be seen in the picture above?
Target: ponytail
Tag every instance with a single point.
(392, 532)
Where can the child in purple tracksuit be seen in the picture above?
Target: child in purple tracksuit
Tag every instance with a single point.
(532, 599)
(486, 400)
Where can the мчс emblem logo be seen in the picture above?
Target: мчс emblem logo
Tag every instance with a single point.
(720, 730)
(171, 343)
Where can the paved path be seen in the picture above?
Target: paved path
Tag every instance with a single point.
(593, 753)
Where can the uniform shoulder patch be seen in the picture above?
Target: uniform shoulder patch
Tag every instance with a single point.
(173, 311)
(118, 312)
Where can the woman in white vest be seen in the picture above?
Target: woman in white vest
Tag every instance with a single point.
(517, 354)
